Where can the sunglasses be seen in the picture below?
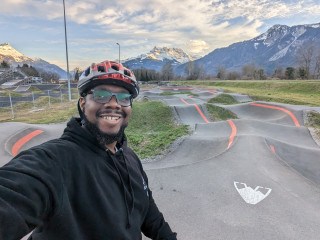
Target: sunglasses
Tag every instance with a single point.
(104, 96)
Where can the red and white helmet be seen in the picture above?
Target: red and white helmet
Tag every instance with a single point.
(108, 72)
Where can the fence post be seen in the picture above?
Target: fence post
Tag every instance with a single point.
(61, 95)
(12, 113)
(49, 98)
(34, 106)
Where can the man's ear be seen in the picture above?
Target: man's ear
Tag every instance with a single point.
(82, 101)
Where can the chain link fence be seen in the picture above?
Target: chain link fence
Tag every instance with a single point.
(12, 103)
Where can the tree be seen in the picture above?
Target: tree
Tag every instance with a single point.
(29, 71)
(221, 72)
(290, 73)
(4, 64)
(316, 72)
(146, 75)
(248, 71)
(167, 71)
(49, 77)
(259, 74)
(233, 76)
(194, 71)
(302, 73)
(304, 57)
(279, 73)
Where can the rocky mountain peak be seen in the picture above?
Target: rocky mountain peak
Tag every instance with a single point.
(10, 54)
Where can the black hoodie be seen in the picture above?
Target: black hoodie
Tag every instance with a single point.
(71, 188)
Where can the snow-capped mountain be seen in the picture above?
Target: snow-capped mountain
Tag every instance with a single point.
(157, 57)
(9, 54)
(15, 58)
(277, 47)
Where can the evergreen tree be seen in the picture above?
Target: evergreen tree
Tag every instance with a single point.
(4, 64)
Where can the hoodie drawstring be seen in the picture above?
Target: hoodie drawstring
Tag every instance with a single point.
(130, 182)
(123, 186)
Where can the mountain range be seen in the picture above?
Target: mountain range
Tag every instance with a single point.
(158, 56)
(15, 58)
(276, 48)
(273, 49)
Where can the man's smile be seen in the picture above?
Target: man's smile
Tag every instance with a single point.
(110, 117)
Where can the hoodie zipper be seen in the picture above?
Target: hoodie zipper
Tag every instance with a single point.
(129, 212)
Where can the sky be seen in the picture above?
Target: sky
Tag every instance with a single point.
(94, 27)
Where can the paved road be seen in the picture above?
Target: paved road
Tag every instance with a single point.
(255, 177)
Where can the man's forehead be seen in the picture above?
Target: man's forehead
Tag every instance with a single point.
(112, 88)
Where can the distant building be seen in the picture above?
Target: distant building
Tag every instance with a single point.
(37, 80)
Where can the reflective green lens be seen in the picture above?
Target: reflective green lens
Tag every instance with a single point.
(104, 96)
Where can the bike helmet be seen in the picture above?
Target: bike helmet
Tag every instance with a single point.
(108, 72)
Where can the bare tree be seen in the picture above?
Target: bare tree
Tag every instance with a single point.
(222, 72)
(248, 72)
(233, 75)
(279, 73)
(304, 58)
(167, 71)
(194, 71)
(316, 72)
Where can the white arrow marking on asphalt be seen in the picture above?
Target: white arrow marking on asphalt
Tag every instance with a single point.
(251, 196)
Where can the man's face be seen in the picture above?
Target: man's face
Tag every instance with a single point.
(109, 118)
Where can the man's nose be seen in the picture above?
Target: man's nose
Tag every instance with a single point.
(113, 103)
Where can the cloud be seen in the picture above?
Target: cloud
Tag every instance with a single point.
(203, 24)
(197, 46)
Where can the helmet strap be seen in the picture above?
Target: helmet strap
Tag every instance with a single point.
(81, 114)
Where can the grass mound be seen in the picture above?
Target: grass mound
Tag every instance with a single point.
(223, 99)
(219, 113)
(152, 129)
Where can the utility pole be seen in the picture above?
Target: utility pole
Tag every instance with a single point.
(119, 52)
(65, 35)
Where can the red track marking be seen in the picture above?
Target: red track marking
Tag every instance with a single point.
(175, 88)
(272, 149)
(282, 109)
(24, 140)
(145, 89)
(190, 96)
(233, 133)
(199, 110)
(207, 90)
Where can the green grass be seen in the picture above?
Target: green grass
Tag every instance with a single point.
(175, 93)
(223, 99)
(13, 94)
(314, 121)
(219, 113)
(151, 128)
(301, 92)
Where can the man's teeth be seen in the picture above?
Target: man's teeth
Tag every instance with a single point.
(110, 118)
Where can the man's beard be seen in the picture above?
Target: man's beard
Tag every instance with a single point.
(104, 138)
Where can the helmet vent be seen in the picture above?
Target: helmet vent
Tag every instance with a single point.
(87, 71)
(101, 69)
(127, 73)
(115, 67)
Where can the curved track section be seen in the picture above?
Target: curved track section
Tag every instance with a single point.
(256, 177)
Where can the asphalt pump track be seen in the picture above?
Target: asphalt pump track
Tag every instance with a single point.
(256, 177)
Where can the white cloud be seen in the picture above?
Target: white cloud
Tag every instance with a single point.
(197, 46)
(203, 24)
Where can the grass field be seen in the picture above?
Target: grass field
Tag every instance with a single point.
(298, 92)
